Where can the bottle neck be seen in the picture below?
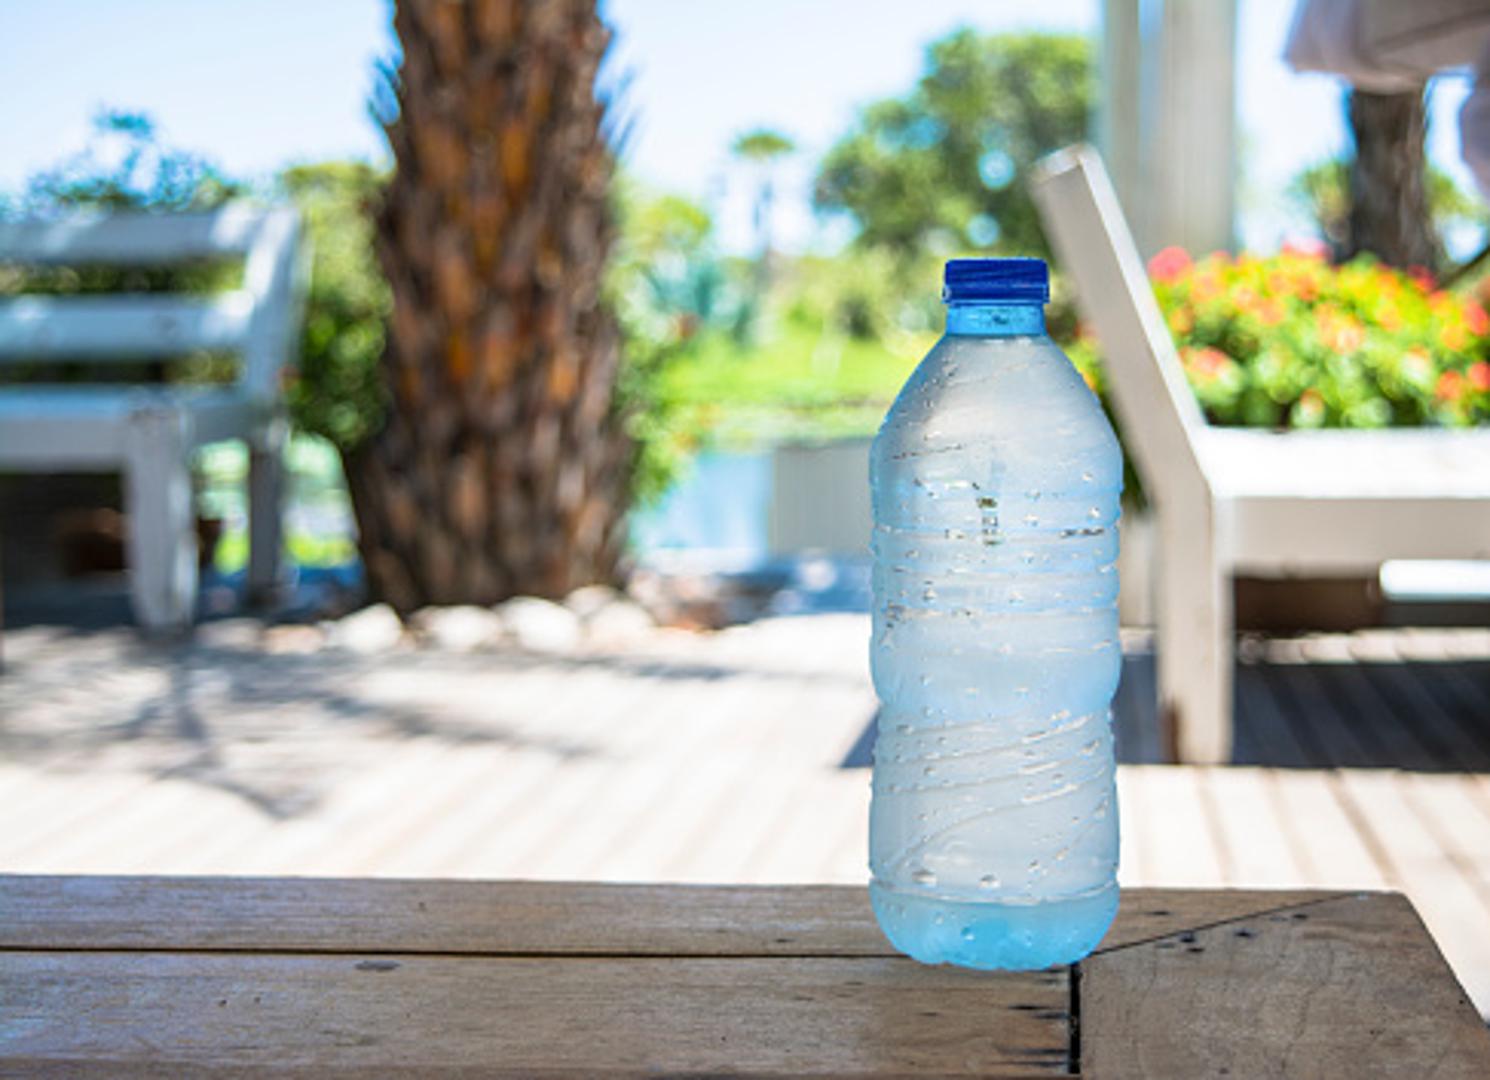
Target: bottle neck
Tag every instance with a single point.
(983, 319)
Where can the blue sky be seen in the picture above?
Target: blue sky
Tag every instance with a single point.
(255, 85)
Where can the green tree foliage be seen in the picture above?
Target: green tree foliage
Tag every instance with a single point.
(669, 289)
(336, 392)
(944, 168)
(123, 166)
(762, 149)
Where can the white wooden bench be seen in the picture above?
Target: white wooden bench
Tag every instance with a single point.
(148, 432)
(1237, 501)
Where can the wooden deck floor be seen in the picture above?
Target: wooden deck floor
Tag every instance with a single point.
(728, 757)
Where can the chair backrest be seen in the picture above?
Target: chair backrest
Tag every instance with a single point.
(258, 320)
(1162, 424)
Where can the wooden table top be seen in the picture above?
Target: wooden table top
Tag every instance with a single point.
(115, 976)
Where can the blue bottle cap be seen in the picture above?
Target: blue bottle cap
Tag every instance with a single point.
(1006, 281)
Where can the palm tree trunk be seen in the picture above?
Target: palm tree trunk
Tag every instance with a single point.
(1389, 214)
(503, 467)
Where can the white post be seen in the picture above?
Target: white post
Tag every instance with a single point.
(162, 538)
(1192, 177)
(1120, 131)
(1166, 119)
(1194, 653)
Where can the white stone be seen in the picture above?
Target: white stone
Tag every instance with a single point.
(586, 600)
(619, 622)
(540, 625)
(465, 628)
(373, 629)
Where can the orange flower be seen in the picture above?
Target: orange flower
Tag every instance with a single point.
(1169, 264)
(1270, 311)
(1453, 337)
(1421, 277)
(1479, 375)
(1180, 321)
(1450, 386)
(1476, 319)
(1207, 362)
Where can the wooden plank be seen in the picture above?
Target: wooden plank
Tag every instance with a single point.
(1447, 899)
(1380, 664)
(1134, 861)
(1263, 725)
(1347, 987)
(369, 915)
(1331, 849)
(1394, 741)
(1150, 914)
(354, 915)
(1456, 744)
(1317, 718)
(53, 806)
(1253, 832)
(1178, 840)
(121, 328)
(526, 1016)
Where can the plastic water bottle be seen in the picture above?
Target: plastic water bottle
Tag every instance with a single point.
(996, 480)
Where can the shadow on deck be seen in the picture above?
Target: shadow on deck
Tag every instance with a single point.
(1302, 704)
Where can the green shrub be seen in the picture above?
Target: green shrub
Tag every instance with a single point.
(1290, 341)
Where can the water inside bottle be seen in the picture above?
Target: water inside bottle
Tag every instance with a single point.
(995, 655)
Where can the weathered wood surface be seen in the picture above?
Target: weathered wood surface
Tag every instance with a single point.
(532, 1016)
(582, 918)
(1349, 987)
(347, 977)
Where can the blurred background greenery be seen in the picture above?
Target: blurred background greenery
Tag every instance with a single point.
(739, 351)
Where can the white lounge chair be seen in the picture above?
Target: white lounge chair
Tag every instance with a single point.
(148, 431)
(1230, 500)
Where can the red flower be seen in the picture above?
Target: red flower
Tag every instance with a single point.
(1450, 386)
(1479, 375)
(1476, 319)
(1421, 277)
(1169, 264)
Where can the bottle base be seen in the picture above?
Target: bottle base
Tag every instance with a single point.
(991, 936)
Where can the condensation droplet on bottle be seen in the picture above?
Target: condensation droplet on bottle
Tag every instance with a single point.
(1034, 866)
(1032, 519)
(988, 881)
(1087, 477)
(924, 877)
(930, 770)
(1095, 513)
(1033, 494)
(925, 680)
(967, 933)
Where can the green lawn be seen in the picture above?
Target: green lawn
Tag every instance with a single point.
(799, 383)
